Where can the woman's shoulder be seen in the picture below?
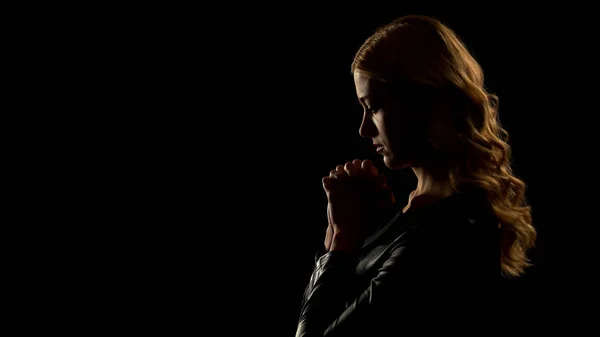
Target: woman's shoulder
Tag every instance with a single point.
(460, 213)
(456, 222)
(459, 227)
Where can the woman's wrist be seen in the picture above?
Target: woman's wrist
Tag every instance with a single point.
(345, 241)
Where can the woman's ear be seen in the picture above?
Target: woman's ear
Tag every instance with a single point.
(441, 131)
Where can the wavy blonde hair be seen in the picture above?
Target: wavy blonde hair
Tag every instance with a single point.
(422, 51)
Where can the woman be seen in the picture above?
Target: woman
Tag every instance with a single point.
(437, 262)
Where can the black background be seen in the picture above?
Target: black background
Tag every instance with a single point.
(202, 136)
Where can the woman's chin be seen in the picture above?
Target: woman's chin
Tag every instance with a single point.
(394, 164)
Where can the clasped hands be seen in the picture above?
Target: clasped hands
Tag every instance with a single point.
(356, 195)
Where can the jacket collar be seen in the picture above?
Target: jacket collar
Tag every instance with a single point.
(401, 222)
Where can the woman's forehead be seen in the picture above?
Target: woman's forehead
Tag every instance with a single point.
(367, 85)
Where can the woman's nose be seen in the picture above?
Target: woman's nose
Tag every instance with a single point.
(367, 128)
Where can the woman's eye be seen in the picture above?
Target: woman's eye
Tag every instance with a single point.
(372, 109)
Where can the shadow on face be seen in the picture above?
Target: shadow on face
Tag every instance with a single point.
(398, 117)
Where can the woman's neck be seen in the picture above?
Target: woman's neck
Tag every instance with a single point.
(431, 186)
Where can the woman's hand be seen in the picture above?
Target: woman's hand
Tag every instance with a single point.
(356, 194)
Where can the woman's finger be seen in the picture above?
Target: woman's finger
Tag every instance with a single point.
(351, 169)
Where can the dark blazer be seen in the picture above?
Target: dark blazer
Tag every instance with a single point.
(437, 267)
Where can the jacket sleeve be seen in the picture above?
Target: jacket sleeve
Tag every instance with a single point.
(320, 260)
(326, 310)
(313, 276)
(442, 284)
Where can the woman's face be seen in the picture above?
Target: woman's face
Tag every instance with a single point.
(391, 120)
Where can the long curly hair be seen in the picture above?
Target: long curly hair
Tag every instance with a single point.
(422, 51)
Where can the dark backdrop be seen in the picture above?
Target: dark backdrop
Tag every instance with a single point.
(286, 114)
(316, 118)
(216, 127)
